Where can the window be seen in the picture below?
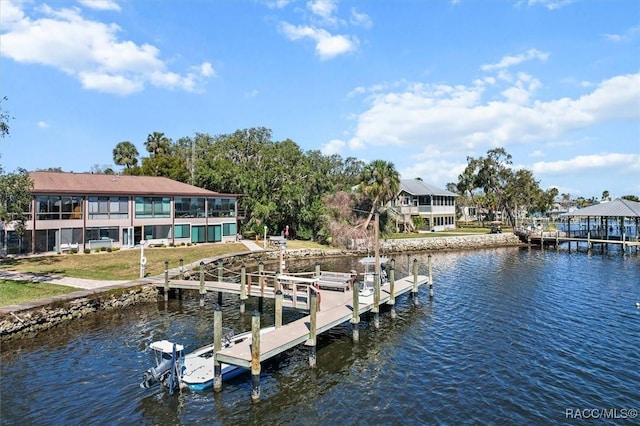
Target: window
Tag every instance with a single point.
(71, 207)
(228, 229)
(152, 232)
(147, 207)
(108, 207)
(48, 208)
(197, 234)
(189, 207)
(106, 233)
(182, 231)
(221, 207)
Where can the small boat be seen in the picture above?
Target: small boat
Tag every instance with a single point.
(368, 276)
(195, 370)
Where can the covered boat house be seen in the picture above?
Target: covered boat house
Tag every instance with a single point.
(613, 222)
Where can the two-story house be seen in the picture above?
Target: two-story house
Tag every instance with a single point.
(82, 210)
(416, 198)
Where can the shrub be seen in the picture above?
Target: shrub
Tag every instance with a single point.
(87, 251)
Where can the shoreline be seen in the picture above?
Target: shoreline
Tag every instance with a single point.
(28, 319)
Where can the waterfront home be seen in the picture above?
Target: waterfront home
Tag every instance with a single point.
(77, 211)
(419, 199)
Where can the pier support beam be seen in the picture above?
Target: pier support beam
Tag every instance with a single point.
(376, 300)
(203, 291)
(255, 356)
(180, 277)
(311, 342)
(414, 290)
(278, 319)
(243, 288)
(430, 277)
(166, 280)
(217, 346)
(392, 283)
(261, 283)
(355, 320)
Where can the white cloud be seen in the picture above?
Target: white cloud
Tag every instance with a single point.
(90, 51)
(628, 35)
(420, 114)
(100, 4)
(334, 146)
(360, 19)
(327, 45)
(42, 124)
(550, 4)
(323, 8)
(509, 61)
(625, 162)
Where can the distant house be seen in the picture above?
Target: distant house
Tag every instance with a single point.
(416, 198)
(79, 210)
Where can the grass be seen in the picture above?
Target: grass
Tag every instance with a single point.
(453, 233)
(14, 292)
(121, 264)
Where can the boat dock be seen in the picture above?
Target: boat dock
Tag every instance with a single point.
(556, 238)
(326, 308)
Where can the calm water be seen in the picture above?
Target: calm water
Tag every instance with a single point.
(512, 336)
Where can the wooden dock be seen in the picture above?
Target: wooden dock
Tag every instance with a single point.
(556, 238)
(326, 308)
(335, 308)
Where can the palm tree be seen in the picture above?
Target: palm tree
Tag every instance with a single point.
(380, 183)
(157, 143)
(125, 154)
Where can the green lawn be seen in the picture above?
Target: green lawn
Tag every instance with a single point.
(13, 292)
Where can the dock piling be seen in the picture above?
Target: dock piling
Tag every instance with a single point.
(376, 300)
(243, 288)
(355, 320)
(392, 283)
(430, 277)
(312, 329)
(203, 290)
(217, 346)
(414, 290)
(278, 319)
(166, 280)
(255, 356)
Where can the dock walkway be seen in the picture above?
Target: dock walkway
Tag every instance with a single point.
(335, 308)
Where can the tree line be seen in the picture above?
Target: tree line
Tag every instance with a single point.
(327, 198)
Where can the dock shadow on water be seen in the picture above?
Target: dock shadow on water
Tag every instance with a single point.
(512, 335)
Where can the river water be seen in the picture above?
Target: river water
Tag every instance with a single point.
(512, 336)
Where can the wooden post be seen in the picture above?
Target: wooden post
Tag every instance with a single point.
(317, 270)
(217, 346)
(220, 278)
(376, 300)
(312, 329)
(180, 277)
(203, 291)
(392, 283)
(414, 290)
(430, 277)
(255, 356)
(356, 314)
(262, 279)
(278, 320)
(243, 287)
(166, 280)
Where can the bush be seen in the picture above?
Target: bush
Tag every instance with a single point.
(87, 251)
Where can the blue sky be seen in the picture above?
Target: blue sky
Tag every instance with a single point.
(423, 84)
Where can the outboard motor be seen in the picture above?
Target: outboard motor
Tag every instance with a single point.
(157, 374)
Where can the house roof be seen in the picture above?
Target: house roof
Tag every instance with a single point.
(418, 187)
(616, 208)
(89, 183)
